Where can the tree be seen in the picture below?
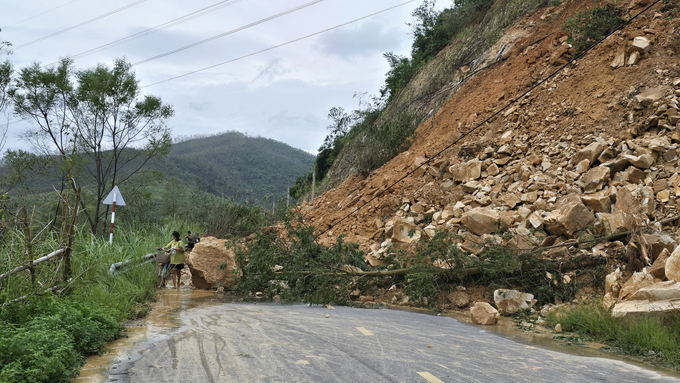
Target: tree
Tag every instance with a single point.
(101, 114)
(5, 88)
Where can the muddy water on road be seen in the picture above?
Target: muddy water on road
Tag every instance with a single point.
(160, 322)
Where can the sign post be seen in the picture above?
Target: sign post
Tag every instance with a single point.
(114, 198)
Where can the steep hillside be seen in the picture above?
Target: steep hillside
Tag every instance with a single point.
(592, 151)
(233, 163)
(468, 54)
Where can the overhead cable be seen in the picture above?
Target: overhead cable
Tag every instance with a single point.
(553, 74)
(228, 33)
(171, 23)
(276, 46)
(78, 25)
(40, 14)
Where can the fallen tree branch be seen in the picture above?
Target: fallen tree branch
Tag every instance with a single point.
(31, 264)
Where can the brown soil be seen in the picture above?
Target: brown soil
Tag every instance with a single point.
(581, 102)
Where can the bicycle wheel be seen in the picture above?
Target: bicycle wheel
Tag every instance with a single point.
(161, 274)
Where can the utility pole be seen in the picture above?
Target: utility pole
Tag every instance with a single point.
(313, 184)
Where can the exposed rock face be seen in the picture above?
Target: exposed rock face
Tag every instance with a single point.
(206, 263)
(570, 215)
(484, 313)
(511, 301)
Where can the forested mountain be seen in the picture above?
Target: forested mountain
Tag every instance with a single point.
(232, 163)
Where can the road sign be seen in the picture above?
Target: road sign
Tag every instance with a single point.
(112, 199)
(109, 200)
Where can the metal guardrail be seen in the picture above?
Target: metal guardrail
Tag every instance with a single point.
(120, 267)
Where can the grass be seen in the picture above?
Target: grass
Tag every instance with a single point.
(45, 337)
(653, 337)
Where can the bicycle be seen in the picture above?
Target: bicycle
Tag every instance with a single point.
(163, 269)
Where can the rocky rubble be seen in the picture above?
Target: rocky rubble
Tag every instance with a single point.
(592, 152)
(545, 195)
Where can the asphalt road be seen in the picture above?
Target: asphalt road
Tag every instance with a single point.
(227, 342)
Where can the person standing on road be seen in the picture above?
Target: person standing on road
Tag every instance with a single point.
(177, 258)
(192, 241)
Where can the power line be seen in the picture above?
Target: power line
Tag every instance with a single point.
(79, 25)
(553, 74)
(171, 23)
(229, 32)
(40, 14)
(277, 46)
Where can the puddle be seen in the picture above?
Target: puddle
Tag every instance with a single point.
(161, 321)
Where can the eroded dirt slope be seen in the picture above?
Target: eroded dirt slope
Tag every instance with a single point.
(517, 172)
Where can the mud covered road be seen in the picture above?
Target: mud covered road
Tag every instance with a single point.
(218, 341)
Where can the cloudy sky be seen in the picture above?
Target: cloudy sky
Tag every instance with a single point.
(283, 93)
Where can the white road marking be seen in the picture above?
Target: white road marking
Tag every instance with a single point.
(364, 331)
(429, 377)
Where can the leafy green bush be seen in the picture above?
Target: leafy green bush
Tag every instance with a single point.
(45, 338)
(589, 27)
(37, 353)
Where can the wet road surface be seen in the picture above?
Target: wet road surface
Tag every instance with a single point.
(230, 342)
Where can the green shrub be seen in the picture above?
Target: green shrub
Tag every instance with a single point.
(37, 353)
(589, 27)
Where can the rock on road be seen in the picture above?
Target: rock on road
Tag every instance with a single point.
(230, 342)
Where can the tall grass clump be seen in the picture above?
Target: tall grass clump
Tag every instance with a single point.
(46, 335)
(653, 336)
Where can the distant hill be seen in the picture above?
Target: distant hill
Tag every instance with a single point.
(232, 163)
(227, 164)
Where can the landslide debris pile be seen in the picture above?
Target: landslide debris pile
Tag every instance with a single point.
(584, 165)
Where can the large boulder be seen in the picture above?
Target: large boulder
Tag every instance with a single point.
(401, 232)
(467, 171)
(672, 266)
(595, 179)
(484, 313)
(481, 220)
(636, 282)
(212, 264)
(661, 297)
(635, 199)
(570, 215)
(511, 301)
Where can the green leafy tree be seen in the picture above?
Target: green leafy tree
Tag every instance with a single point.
(6, 71)
(101, 113)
